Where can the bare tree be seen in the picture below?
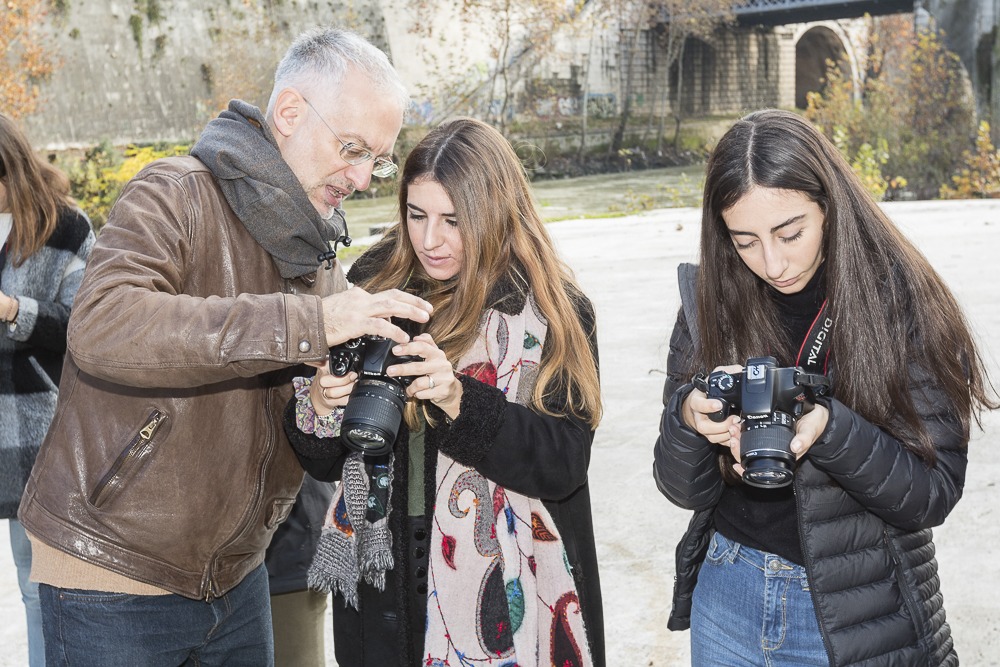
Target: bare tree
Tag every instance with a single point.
(674, 22)
(591, 30)
(682, 21)
(634, 20)
(518, 33)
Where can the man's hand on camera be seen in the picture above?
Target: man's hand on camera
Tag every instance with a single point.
(355, 312)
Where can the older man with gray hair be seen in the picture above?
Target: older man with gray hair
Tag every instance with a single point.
(166, 470)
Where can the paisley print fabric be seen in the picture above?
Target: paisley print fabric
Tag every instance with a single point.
(501, 591)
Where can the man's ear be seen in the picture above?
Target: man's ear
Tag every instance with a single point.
(289, 112)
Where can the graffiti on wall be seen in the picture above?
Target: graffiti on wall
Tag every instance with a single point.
(598, 106)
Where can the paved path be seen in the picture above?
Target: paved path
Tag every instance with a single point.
(627, 266)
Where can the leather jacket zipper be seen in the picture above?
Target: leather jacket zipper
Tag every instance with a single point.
(208, 582)
(137, 447)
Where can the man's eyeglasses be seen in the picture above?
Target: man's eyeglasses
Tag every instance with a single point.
(356, 154)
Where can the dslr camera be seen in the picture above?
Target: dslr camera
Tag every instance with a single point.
(375, 407)
(770, 400)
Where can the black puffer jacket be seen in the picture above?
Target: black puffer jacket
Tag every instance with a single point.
(537, 455)
(866, 506)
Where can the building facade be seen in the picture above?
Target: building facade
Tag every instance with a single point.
(135, 72)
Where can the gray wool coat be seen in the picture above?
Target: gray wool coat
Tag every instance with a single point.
(31, 352)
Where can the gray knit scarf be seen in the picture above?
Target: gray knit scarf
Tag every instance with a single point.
(356, 543)
(266, 196)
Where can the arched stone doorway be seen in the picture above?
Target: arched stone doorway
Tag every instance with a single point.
(814, 48)
(698, 71)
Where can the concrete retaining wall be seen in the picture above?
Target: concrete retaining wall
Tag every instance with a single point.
(157, 70)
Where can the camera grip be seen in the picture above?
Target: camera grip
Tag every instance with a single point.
(724, 388)
(720, 415)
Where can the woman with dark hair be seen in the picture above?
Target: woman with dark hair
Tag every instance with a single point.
(472, 539)
(46, 240)
(800, 264)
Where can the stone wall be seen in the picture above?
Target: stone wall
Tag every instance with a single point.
(157, 70)
(972, 30)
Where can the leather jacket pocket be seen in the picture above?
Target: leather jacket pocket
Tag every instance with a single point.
(280, 509)
(135, 454)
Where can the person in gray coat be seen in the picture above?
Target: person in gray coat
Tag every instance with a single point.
(44, 243)
(823, 554)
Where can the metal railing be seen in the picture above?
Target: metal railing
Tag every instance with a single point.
(793, 11)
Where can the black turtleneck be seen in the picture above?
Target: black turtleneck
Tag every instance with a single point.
(765, 519)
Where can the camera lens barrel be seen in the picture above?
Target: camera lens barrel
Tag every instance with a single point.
(372, 416)
(766, 455)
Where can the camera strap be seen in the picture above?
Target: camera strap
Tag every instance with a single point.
(815, 351)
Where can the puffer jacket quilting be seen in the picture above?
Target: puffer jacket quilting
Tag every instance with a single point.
(866, 508)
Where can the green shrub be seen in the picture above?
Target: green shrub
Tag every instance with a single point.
(915, 99)
(98, 176)
(979, 177)
(868, 162)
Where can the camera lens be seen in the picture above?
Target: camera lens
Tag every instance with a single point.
(372, 416)
(765, 452)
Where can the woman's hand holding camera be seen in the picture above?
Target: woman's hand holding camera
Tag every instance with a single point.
(808, 430)
(433, 378)
(696, 410)
(698, 407)
(329, 391)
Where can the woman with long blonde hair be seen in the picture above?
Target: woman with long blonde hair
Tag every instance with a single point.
(472, 538)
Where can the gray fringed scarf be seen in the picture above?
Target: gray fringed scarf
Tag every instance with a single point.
(263, 192)
(356, 542)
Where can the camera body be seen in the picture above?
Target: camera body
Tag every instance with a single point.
(375, 407)
(770, 400)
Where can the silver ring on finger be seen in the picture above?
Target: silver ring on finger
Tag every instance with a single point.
(326, 395)
(430, 381)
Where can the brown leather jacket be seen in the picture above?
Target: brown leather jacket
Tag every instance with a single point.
(166, 461)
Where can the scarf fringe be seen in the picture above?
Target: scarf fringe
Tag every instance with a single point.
(332, 571)
(376, 556)
(351, 548)
(500, 567)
